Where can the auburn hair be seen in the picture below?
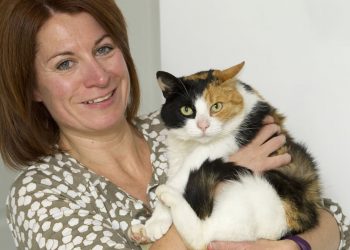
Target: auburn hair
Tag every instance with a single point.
(27, 130)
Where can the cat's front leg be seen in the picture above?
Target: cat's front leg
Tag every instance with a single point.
(169, 196)
(154, 228)
(186, 221)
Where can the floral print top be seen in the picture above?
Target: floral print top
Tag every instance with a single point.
(60, 204)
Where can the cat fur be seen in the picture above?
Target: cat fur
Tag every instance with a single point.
(208, 198)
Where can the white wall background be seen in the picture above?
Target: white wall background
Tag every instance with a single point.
(142, 19)
(297, 55)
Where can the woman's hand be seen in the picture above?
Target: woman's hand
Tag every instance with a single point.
(254, 245)
(257, 154)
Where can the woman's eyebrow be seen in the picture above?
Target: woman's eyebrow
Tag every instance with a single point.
(64, 53)
(101, 38)
(69, 53)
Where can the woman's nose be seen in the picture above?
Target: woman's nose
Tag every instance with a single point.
(96, 74)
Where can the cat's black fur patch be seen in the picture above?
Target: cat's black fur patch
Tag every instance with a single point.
(183, 93)
(201, 185)
(246, 86)
(252, 123)
(170, 113)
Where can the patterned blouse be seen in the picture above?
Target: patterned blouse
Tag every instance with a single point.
(60, 204)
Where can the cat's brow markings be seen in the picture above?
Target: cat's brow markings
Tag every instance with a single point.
(197, 76)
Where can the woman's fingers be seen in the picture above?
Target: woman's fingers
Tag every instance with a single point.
(273, 144)
(266, 132)
(268, 120)
(273, 162)
(257, 154)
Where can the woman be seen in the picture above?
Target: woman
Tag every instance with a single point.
(69, 95)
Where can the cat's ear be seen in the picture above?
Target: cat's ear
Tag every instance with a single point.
(166, 82)
(228, 73)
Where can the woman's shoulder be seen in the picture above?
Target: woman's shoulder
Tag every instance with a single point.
(155, 133)
(52, 174)
(151, 125)
(152, 119)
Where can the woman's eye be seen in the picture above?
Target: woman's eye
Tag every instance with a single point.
(216, 107)
(186, 111)
(104, 50)
(65, 65)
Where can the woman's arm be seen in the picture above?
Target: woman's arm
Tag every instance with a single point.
(326, 235)
(170, 241)
(323, 237)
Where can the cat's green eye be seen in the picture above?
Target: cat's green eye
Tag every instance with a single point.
(216, 107)
(186, 110)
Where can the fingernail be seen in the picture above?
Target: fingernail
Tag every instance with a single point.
(210, 247)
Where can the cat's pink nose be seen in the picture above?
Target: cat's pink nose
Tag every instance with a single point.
(203, 124)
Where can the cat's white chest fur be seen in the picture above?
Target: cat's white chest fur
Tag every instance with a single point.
(190, 156)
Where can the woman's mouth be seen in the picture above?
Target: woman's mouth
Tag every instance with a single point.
(100, 99)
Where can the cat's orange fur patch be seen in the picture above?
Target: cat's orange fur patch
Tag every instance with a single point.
(197, 76)
(227, 94)
(292, 215)
(229, 73)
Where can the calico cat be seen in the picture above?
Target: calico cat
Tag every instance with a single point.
(209, 116)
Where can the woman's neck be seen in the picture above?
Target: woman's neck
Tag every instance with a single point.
(109, 150)
(122, 157)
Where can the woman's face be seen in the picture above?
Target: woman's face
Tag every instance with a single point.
(82, 77)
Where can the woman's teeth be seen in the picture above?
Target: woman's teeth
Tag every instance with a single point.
(100, 99)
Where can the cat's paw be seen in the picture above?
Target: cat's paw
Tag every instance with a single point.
(168, 195)
(153, 229)
(137, 233)
(156, 228)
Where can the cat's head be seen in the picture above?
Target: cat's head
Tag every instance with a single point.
(201, 106)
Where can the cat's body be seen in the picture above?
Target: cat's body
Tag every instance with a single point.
(210, 115)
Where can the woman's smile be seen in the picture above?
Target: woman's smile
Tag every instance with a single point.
(101, 99)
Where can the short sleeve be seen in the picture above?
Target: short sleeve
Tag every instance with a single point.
(343, 223)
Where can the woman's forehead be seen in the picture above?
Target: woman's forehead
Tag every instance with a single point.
(65, 31)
